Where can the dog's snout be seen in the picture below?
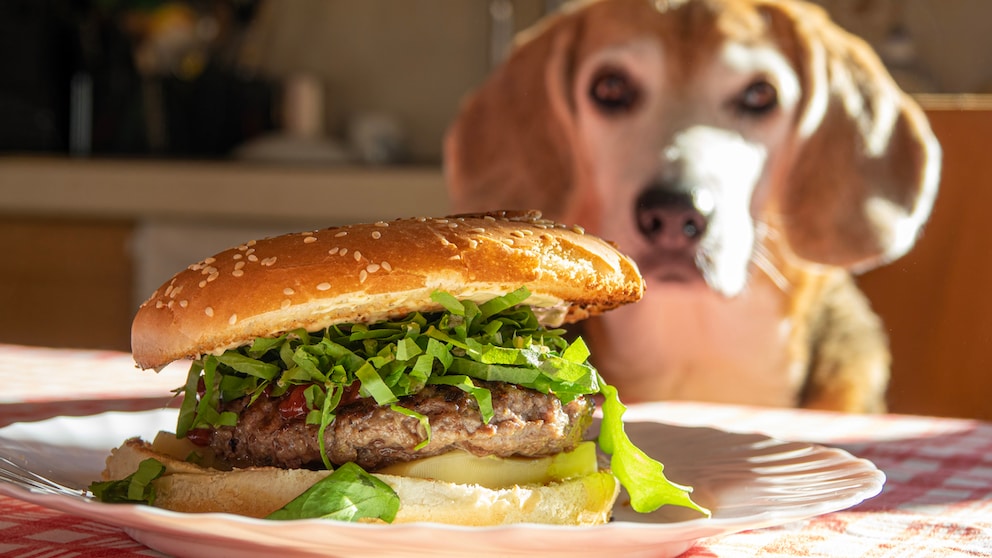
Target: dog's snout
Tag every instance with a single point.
(670, 219)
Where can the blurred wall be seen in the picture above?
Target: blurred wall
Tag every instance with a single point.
(409, 61)
(933, 46)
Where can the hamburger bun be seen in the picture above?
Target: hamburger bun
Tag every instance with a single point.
(372, 272)
(257, 492)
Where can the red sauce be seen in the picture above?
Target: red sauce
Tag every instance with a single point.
(350, 394)
(200, 436)
(294, 404)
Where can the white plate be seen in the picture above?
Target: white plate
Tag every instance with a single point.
(748, 481)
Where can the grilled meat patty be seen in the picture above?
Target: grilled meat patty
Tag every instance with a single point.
(526, 423)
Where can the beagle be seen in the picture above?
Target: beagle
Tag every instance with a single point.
(749, 154)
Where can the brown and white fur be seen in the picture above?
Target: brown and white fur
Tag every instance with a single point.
(749, 154)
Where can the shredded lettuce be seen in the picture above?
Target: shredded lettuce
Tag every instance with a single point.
(134, 488)
(499, 340)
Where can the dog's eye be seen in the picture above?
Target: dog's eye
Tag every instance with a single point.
(613, 91)
(759, 98)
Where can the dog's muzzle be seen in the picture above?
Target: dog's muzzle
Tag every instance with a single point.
(672, 219)
(673, 222)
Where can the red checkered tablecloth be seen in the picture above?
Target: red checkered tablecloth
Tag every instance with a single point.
(937, 501)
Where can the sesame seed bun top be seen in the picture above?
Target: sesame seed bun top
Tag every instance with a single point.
(377, 271)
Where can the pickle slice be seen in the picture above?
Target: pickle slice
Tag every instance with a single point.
(462, 467)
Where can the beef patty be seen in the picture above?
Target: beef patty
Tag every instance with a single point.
(526, 423)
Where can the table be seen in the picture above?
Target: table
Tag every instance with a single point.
(937, 501)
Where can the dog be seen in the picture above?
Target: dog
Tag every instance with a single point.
(750, 155)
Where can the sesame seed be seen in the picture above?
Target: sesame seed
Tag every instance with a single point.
(517, 234)
(288, 291)
(208, 270)
(195, 267)
(473, 243)
(183, 303)
(212, 276)
(339, 234)
(386, 266)
(233, 319)
(477, 230)
(269, 261)
(250, 251)
(286, 304)
(442, 221)
(159, 304)
(252, 258)
(578, 229)
(372, 267)
(209, 311)
(238, 272)
(238, 256)
(323, 286)
(344, 251)
(239, 265)
(307, 233)
(381, 224)
(508, 241)
(452, 225)
(251, 242)
(362, 276)
(489, 218)
(333, 251)
(203, 284)
(357, 255)
(243, 247)
(309, 239)
(456, 257)
(209, 260)
(168, 290)
(376, 235)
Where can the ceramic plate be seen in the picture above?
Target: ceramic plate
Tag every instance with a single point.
(748, 481)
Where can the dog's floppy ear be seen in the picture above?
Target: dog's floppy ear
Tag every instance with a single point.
(865, 175)
(514, 131)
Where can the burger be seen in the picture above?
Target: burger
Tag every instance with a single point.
(410, 370)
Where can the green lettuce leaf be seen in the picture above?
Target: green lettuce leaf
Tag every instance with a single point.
(134, 488)
(347, 494)
(642, 476)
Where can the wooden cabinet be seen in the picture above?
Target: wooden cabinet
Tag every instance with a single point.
(937, 301)
(66, 282)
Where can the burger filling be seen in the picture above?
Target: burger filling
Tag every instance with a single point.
(475, 386)
(486, 378)
(525, 422)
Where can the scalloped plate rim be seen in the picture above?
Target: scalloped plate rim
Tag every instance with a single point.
(739, 454)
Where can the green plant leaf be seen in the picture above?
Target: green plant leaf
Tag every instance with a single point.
(347, 494)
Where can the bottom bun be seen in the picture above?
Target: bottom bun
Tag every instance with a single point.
(257, 492)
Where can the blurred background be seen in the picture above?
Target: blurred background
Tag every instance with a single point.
(137, 136)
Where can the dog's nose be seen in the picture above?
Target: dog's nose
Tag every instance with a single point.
(670, 218)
